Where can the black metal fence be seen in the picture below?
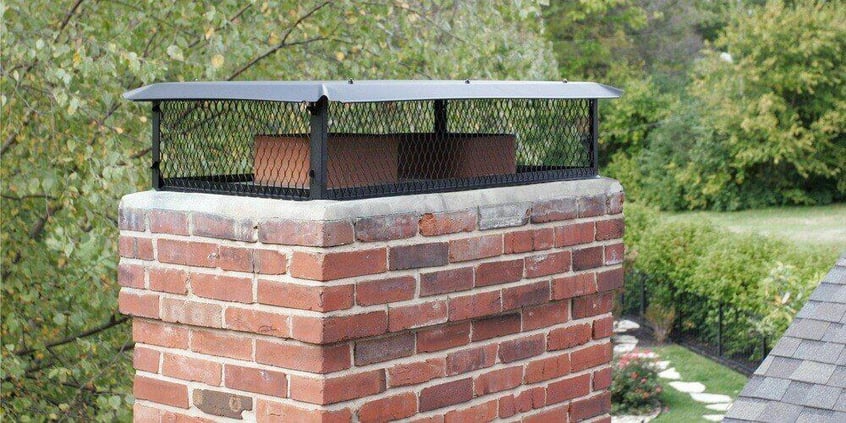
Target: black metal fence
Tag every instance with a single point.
(333, 150)
(709, 327)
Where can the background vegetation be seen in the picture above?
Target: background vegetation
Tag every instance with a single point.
(728, 105)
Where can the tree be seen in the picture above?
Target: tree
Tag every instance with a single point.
(772, 94)
(71, 147)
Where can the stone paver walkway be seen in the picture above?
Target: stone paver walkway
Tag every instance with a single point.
(626, 343)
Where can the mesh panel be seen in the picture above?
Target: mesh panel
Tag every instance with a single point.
(261, 148)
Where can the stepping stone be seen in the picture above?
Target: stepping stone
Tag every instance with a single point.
(688, 387)
(620, 349)
(719, 406)
(710, 398)
(622, 326)
(670, 373)
(623, 339)
(631, 419)
(714, 417)
(662, 365)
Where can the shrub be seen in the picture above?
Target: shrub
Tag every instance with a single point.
(634, 384)
(661, 317)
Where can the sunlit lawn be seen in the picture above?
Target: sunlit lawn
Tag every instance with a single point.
(817, 226)
(717, 379)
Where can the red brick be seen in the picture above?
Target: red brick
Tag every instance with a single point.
(260, 381)
(383, 291)
(445, 281)
(568, 337)
(126, 247)
(485, 412)
(529, 240)
(174, 281)
(574, 234)
(418, 315)
(547, 264)
(614, 254)
(160, 391)
(496, 326)
(469, 359)
(192, 369)
(603, 328)
(475, 305)
(192, 313)
(340, 328)
(567, 389)
(596, 405)
(337, 389)
(224, 288)
(595, 355)
(587, 258)
(138, 304)
(610, 279)
(304, 357)
(437, 418)
(523, 348)
(497, 272)
(130, 219)
(270, 262)
(384, 349)
(525, 295)
(305, 297)
(168, 222)
(446, 394)
(602, 379)
(145, 359)
(220, 227)
(419, 255)
(546, 315)
(161, 334)
(432, 224)
(592, 206)
(308, 233)
(190, 253)
(475, 248)
(144, 248)
(548, 368)
(143, 413)
(386, 228)
(614, 204)
(222, 344)
(573, 286)
(271, 412)
(388, 409)
(443, 337)
(498, 380)
(170, 416)
(419, 372)
(592, 305)
(130, 275)
(556, 414)
(235, 258)
(259, 322)
(527, 400)
(554, 210)
(337, 265)
(610, 229)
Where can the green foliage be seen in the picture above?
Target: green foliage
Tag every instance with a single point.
(72, 147)
(634, 384)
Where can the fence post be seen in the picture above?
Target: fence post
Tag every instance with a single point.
(720, 330)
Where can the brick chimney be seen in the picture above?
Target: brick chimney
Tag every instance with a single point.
(465, 306)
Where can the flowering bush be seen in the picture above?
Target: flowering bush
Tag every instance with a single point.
(634, 385)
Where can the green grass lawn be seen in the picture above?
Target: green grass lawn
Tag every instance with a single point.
(717, 379)
(817, 226)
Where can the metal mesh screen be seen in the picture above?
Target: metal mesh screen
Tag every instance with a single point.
(263, 148)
